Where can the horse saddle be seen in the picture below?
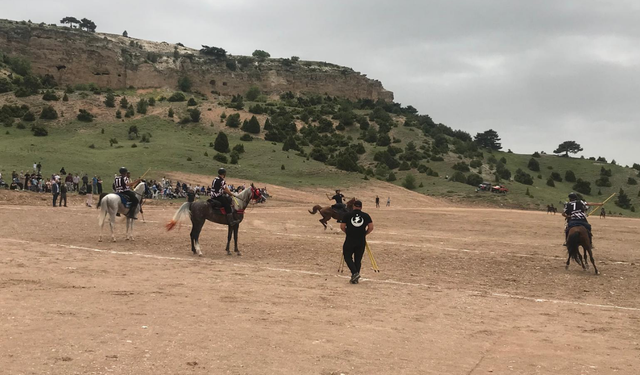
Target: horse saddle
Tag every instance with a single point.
(125, 200)
(217, 206)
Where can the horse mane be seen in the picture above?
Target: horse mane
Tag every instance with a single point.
(351, 201)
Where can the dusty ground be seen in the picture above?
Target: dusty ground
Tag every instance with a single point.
(462, 291)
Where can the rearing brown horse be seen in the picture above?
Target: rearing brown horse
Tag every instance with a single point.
(578, 236)
(328, 212)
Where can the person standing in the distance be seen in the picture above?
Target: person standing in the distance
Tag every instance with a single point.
(55, 190)
(63, 195)
(218, 190)
(357, 225)
(388, 201)
(377, 201)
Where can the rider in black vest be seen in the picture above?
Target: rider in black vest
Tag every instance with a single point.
(576, 213)
(122, 185)
(218, 190)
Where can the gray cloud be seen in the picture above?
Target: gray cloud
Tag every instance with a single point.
(539, 72)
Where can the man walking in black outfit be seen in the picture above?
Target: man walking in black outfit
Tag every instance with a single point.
(63, 195)
(357, 225)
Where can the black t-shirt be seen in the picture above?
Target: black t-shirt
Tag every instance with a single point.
(356, 222)
(338, 198)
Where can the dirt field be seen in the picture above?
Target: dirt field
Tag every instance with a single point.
(462, 291)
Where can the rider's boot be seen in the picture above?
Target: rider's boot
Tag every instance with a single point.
(231, 221)
(132, 214)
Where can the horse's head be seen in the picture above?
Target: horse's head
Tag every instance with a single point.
(255, 193)
(350, 202)
(140, 189)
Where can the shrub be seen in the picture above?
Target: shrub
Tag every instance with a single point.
(118, 114)
(29, 116)
(502, 172)
(569, 176)
(146, 138)
(605, 172)
(533, 165)
(253, 93)
(221, 158)
(21, 126)
(475, 163)
(39, 131)
(152, 101)
(51, 96)
(582, 186)
(391, 177)
(252, 126)
(110, 100)
(85, 116)
(536, 154)
(134, 145)
(65, 98)
(603, 181)
(461, 166)
(257, 109)
(194, 114)
(92, 146)
(184, 84)
(523, 177)
(233, 121)
(191, 102)
(48, 113)
(474, 179)
(290, 144)
(5, 84)
(221, 143)
(632, 181)
(234, 157)
(555, 176)
(260, 54)
(319, 154)
(112, 142)
(622, 200)
(409, 182)
(550, 182)
(239, 148)
(458, 177)
(246, 138)
(130, 111)
(282, 167)
(142, 105)
(177, 97)
(170, 113)
(124, 103)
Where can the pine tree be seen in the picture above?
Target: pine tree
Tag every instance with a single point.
(221, 143)
(124, 103)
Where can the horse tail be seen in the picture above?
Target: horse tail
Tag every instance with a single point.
(100, 200)
(185, 209)
(573, 243)
(316, 208)
(103, 213)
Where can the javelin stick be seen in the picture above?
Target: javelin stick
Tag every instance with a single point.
(603, 203)
(145, 173)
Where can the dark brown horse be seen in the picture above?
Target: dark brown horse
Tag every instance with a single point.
(328, 212)
(201, 211)
(578, 236)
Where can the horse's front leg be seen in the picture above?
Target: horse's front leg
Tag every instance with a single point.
(568, 261)
(229, 233)
(112, 223)
(131, 230)
(235, 239)
(586, 260)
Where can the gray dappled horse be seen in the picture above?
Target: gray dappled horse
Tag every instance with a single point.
(201, 211)
(111, 204)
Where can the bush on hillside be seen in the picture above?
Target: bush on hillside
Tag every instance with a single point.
(233, 121)
(124, 103)
(458, 177)
(239, 148)
(191, 102)
(221, 158)
(536, 154)
(606, 172)
(253, 93)
(246, 138)
(39, 131)
(170, 113)
(603, 181)
(184, 84)
(48, 113)
(409, 182)
(569, 176)
(50, 96)
(523, 177)
(257, 109)
(252, 126)
(622, 200)
(142, 106)
(632, 181)
(391, 177)
(533, 165)
(474, 179)
(177, 97)
(110, 100)
(502, 172)
(556, 176)
(461, 166)
(550, 182)
(194, 115)
(29, 116)
(221, 143)
(85, 116)
(583, 187)
(475, 163)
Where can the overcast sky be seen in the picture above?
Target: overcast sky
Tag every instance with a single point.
(539, 72)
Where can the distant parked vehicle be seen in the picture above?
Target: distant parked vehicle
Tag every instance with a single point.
(485, 186)
(500, 189)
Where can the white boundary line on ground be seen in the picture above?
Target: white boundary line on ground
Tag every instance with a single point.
(385, 281)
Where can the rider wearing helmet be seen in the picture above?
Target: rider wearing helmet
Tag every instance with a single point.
(575, 211)
(218, 190)
(122, 185)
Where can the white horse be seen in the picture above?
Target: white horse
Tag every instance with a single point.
(111, 204)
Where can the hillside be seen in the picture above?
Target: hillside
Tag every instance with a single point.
(296, 139)
(73, 56)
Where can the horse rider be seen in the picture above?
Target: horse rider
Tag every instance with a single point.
(218, 190)
(338, 197)
(575, 211)
(122, 185)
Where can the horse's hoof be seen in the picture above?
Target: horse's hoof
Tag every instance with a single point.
(99, 239)
(228, 253)
(200, 255)
(239, 253)
(566, 267)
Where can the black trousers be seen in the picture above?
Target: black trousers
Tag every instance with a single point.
(63, 197)
(225, 201)
(55, 198)
(353, 252)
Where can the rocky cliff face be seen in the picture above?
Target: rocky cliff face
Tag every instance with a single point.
(73, 56)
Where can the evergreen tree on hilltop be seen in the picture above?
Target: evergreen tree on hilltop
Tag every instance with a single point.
(568, 147)
(488, 139)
